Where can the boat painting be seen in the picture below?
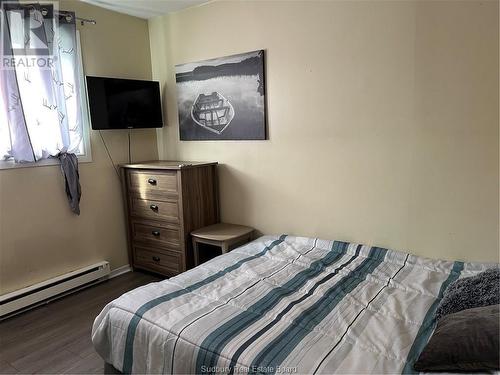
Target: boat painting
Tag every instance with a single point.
(212, 112)
(222, 98)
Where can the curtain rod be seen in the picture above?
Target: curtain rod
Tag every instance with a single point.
(86, 20)
(82, 20)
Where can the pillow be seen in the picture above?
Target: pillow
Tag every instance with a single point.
(480, 290)
(464, 341)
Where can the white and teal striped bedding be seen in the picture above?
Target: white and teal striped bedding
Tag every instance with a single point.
(281, 304)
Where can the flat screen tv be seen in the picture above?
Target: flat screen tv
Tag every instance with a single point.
(124, 103)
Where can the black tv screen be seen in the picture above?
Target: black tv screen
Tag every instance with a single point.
(124, 103)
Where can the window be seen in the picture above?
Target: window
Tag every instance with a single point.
(43, 108)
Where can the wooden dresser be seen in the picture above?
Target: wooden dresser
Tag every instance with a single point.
(165, 201)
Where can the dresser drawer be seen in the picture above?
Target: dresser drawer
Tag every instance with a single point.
(152, 184)
(165, 262)
(167, 210)
(156, 234)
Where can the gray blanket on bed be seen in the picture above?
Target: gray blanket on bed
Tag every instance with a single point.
(476, 291)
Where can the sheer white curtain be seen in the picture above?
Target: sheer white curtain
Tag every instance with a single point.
(40, 94)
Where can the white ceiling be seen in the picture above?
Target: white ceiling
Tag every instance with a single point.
(145, 8)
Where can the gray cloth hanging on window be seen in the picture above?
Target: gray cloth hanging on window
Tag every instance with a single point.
(69, 168)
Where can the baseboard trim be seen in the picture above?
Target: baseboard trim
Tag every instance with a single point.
(114, 273)
(120, 271)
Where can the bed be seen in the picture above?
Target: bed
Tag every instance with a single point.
(281, 304)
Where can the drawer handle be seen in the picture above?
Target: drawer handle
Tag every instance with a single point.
(152, 181)
(154, 207)
(155, 233)
(156, 259)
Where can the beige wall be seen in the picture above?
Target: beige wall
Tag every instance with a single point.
(39, 236)
(383, 119)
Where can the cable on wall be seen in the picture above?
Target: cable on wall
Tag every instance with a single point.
(109, 154)
(129, 152)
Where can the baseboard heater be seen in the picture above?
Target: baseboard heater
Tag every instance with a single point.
(20, 300)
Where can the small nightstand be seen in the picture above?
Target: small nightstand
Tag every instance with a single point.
(222, 235)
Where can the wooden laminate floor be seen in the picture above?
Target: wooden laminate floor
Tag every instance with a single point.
(55, 338)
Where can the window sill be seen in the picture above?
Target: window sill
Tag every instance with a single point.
(9, 164)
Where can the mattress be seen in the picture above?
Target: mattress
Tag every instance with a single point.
(281, 304)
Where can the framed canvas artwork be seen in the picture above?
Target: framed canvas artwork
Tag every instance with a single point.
(222, 98)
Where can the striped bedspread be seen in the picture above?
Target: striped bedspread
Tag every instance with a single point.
(281, 304)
